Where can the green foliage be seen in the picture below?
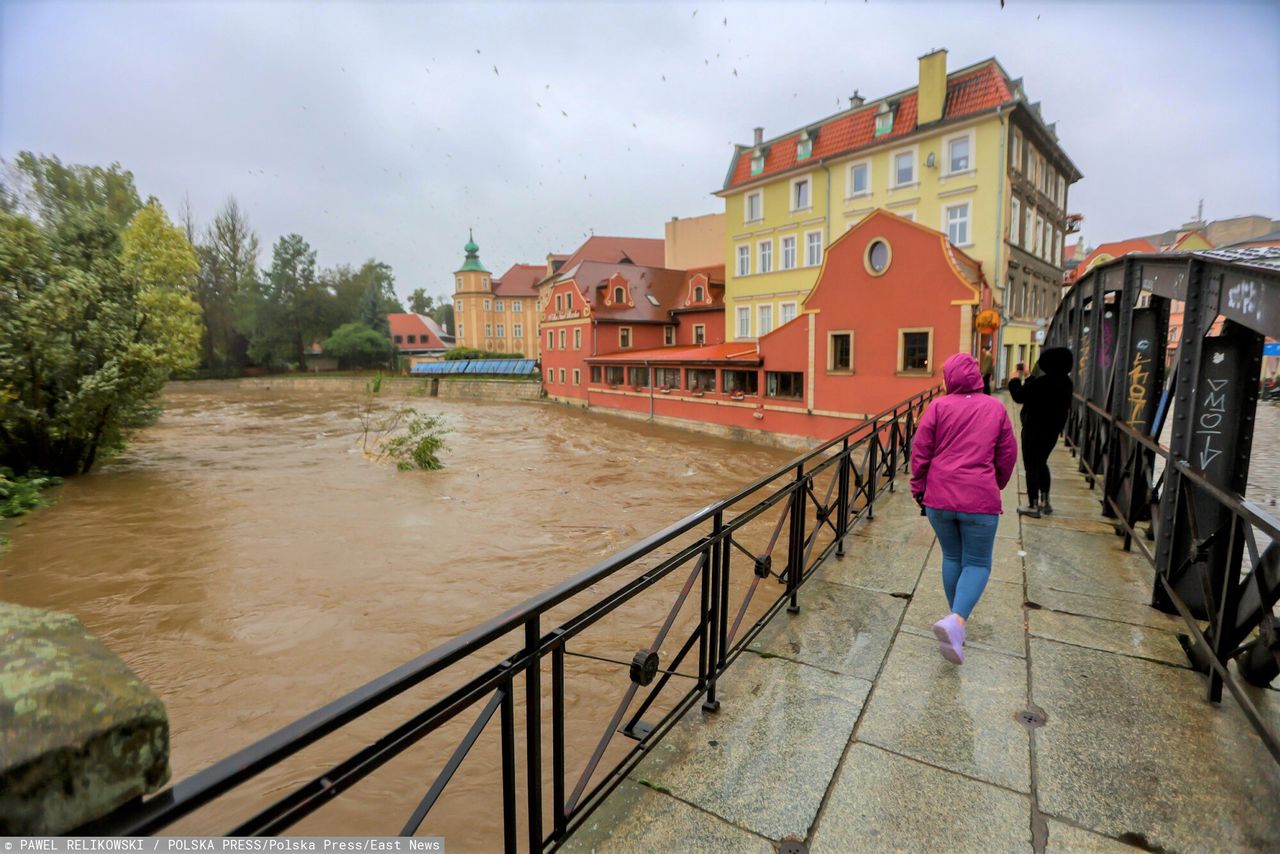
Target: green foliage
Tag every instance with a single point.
(457, 353)
(19, 495)
(355, 345)
(228, 276)
(273, 312)
(420, 302)
(419, 446)
(93, 321)
(379, 297)
(50, 191)
(443, 314)
(374, 386)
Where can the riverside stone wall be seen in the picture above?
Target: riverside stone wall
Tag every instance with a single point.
(477, 389)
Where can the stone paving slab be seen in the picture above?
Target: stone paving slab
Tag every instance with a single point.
(958, 718)
(844, 629)
(1101, 607)
(1079, 562)
(885, 802)
(763, 762)
(1108, 636)
(995, 624)
(1065, 839)
(898, 520)
(1131, 747)
(665, 823)
(877, 564)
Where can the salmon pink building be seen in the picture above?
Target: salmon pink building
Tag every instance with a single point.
(893, 299)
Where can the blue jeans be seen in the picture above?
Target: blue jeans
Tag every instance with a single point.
(966, 540)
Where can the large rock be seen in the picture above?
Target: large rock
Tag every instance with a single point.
(80, 734)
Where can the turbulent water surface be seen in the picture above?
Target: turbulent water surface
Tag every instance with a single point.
(250, 563)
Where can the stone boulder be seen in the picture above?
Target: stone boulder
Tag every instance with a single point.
(80, 734)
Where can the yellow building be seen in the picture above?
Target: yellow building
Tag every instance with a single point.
(496, 314)
(961, 152)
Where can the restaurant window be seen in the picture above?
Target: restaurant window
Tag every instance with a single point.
(747, 382)
(613, 375)
(784, 384)
(639, 377)
(596, 374)
(700, 379)
(667, 378)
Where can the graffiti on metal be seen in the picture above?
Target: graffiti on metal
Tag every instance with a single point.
(1214, 429)
(1166, 280)
(1253, 301)
(1144, 364)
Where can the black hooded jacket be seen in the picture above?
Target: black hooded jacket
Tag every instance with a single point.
(1045, 396)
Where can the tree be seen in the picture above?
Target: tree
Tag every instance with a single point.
(51, 190)
(355, 345)
(93, 321)
(443, 314)
(273, 311)
(420, 302)
(228, 273)
(379, 298)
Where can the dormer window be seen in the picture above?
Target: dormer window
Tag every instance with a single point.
(757, 161)
(698, 294)
(884, 120)
(804, 146)
(618, 296)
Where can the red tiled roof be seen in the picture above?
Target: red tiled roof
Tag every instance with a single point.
(1112, 250)
(736, 352)
(968, 93)
(428, 335)
(643, 251)
(520, 281)
(667, 287)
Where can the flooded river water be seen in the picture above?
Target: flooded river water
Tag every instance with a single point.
(250, 564)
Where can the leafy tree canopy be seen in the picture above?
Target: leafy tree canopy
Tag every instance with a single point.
(355, 345)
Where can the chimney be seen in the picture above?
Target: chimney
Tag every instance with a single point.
(856, 100)
(932, 95)
(759, 136)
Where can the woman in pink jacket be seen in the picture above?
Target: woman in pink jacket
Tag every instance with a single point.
(962, 455)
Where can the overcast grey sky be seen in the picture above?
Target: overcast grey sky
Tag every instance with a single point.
(383, 130)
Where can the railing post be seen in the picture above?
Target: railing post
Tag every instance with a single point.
(795, 542)
(709, 652)
(533, 729)
(893, 451)
(842, 499)
(557, 736)
(508, 727)
(873, 476)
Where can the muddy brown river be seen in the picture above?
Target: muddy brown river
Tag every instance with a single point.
(251, 564)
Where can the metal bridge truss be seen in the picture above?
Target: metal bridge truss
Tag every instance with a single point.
(1216, 555)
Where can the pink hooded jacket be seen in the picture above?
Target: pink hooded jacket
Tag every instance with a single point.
(963, 452)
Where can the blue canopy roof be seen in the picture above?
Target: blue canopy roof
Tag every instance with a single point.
(485, 367)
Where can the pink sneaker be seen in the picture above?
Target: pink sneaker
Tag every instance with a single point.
(950, 634)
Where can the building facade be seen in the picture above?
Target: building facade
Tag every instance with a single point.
(418, 338)
(499, 315)
(855, 347)
(961, 152)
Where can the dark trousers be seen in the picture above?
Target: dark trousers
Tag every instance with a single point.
(986, 383)
(1035, 460)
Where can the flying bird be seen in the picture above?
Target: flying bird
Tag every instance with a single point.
(726, 20)
(563, 113)
(495, 71)
(695, 14)
(735, 72)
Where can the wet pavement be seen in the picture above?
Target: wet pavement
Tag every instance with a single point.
(844, 728)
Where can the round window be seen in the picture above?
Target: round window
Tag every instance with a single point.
(878, 256)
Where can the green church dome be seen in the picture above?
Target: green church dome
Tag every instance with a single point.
(472, 264)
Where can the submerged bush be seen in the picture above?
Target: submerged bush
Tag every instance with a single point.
(420, 445)
(19, 495)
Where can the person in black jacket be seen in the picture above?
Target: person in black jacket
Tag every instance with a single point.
(1045, 399)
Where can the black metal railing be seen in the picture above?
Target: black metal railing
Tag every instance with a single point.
(800, 514)
(1182, 503)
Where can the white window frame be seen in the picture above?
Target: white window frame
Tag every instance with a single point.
(502, 331)
(624, 332)
(516, 306)
(517, 330)
(562, 339)
(968, 222)
(551, 339)
(1016, 150)
(457, 280)
(744, 269)
(971, 136)
(808, 261)
(488, 330)
(763, 264)
(831, 368)
(788, 264)
(746, 206)
(559, 304)
(487, 305)
(795, 183)
(1029, 227)
(914, 151)
(499, 305)
(1015, 217)
(909, 215)
(457, 306)
(668, 336)
(699, 333)
(783, 320)
(484, 282)
(851, 192)
(764, 318)
(577, 376)
(577, 338)
(741, 330)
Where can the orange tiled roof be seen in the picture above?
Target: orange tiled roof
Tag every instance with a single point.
(428, 334)
(735, 352)
(969, 92)
(520, 281)
(1111, 250)
(641, 251)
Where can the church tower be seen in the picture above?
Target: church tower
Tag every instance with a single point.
(472, 299)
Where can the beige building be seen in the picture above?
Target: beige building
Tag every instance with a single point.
(499, 315)
(693, 242)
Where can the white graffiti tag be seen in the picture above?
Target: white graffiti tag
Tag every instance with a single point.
(1243, 297)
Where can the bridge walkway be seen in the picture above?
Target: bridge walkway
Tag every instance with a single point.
(1074, 724)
